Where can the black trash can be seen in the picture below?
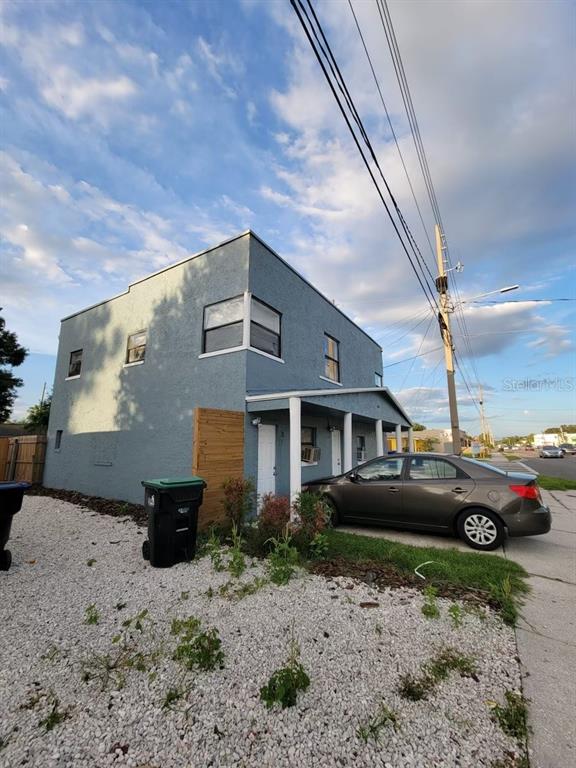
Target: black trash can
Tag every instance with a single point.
(11, 495)
(172, 505)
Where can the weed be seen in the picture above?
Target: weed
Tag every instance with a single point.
(52, 654)
(214, 549)
(513, 716)
(433, 672)
(283, 559)
(172, 696)
(55, 716)
(456, 614)
(137, 621)
(90, 562)
(209, 592)
(473, 609)
(196, 647)
(91, 615)
(34, 698)
(184, 595)
(120, 606)
(284, 684)
(319, 546)
(503, 594)
(385, 716)
(249, 588)
(430, 608)
(237, 562)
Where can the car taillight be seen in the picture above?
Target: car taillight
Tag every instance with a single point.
(526, 491)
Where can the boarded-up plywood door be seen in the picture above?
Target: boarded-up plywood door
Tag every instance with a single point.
(218, 455)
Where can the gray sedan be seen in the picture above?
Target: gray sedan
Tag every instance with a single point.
(434, 492)
(551, 452)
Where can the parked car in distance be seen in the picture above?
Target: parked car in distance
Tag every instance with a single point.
(551, 452)
(434, 492)
(568, 448)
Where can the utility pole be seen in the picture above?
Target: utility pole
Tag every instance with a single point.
(445, 332)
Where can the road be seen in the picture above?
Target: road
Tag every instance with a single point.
(565, 467)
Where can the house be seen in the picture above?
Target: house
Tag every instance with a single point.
(439, 440)
(226, 363)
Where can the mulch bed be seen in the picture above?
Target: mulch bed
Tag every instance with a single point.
(110, 507)
(381, 575)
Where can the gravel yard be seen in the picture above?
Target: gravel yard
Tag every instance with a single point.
(67, 559)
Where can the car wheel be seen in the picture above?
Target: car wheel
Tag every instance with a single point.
(481, 529)
(5, 560)
(146, 550)
(333, 509)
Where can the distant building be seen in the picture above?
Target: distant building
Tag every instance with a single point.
(440, 440)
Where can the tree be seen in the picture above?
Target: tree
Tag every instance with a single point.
(36, 420)
(429, 444)
(552, 431)
(418, 427)
(11, 354)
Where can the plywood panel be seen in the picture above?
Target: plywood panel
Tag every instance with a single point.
(218, 455)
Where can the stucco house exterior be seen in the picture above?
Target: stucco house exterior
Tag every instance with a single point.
(225, 363)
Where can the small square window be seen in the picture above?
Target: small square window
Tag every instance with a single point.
(136, 350)
(75, 364)
(58, 440)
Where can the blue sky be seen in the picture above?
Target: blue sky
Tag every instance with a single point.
(135, 133)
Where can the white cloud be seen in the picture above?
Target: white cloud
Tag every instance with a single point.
(77, 97)
(219, 65)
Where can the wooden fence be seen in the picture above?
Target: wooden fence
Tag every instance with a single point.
(218, 455)
(22, 458)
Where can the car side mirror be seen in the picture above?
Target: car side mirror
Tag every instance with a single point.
(353, 477)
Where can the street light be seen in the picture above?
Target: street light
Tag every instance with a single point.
(507, 289)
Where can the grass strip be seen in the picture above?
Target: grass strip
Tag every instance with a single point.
(556, 483)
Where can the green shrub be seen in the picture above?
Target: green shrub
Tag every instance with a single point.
(430, 608)
(237, 562)
(239, 497)
(273, 517)
(312, 517)
(318, 548)
(196, 647)
(284, 684)
(513, 716)
(282, 559)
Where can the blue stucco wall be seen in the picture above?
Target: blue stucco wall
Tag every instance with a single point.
(122, 424)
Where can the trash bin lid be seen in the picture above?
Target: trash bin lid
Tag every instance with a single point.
(11, 485)
(173, 482)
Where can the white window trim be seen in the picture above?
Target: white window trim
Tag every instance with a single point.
(246, 319)
(242, 348)
(134, 362)
(71, 378)
(332, 381)
(309, 464)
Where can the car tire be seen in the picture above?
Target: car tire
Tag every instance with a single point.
(334, 514)
(146, 550)
(5, 560)
(481, 529)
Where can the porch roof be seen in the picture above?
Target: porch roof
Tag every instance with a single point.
(366, 402)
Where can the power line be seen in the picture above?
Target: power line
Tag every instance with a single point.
(324, 52)
(407, 359)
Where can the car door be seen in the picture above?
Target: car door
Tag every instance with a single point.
(373, 492)
(434, 491)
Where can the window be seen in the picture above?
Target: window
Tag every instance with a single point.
(223, 324)
(136, 347)
(58, 440)
(360, 449)
(382, 469)
(264, 328)
(75, 364)
(331, 358)
(378, 379)
(308, 450)
(432, 469)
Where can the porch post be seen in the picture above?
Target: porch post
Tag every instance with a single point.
(379, 438)
(295, 448)
(347, 442)
(410, 440)
(398, 438)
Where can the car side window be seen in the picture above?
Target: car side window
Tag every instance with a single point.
(383, 469)
(425, 468)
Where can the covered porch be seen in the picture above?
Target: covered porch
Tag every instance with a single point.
(299, 436)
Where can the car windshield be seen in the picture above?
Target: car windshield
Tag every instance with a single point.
(484, 465)
(549, 448)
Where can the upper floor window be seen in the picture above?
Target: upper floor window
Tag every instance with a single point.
(264, 328)
(331, 358)
(223, 324)
(75, 364)
(378, 379)
(136, 350)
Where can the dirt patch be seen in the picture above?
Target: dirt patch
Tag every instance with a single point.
(111, 507)
(383, 575)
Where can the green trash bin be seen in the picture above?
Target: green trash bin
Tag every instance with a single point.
(172, 505)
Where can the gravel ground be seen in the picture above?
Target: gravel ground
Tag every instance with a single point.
(354, 656)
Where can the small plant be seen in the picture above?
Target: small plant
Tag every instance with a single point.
(237, 562)
(137, 621)
(90, 562)
(184, 595)
(55, 716)
(120, 606)
(214, 549)
(282, 560)
(434, 671)
(319, 546)
(430, 608)
(513, 716)
(313, 517)
(239, 497)
(385, 716)
(502, 594)
(456, 614)
(283, 686)
(414, 688)
(91, 615)
(196, 647)
(172, 696)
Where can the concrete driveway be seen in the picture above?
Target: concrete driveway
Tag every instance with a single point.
(546, 634)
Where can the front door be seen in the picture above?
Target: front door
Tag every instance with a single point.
(336, 452)
(266, 459)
